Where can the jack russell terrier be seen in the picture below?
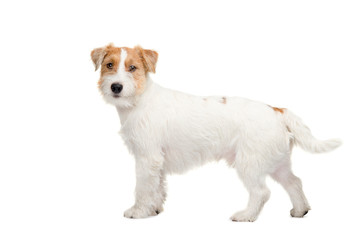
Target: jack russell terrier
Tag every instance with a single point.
(171, 132)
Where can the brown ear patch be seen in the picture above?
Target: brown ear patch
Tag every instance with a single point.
(97, 56)
(149, 58)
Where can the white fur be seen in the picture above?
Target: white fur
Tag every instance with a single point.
(171, 132)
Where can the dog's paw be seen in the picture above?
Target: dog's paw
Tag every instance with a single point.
(299, 213)
(159, 210)
(139, 212)
(243, 216)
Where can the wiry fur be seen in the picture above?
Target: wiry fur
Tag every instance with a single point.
(171, 132)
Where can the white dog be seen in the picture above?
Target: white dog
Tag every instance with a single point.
(171, 132)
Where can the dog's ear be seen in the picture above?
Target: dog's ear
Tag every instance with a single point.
(149, 58)
(97, 56)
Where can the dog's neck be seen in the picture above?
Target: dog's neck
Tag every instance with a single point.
(125, 112)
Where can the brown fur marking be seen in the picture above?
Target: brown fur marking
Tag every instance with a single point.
(149, 58)
(281, 110)
(139, 75)
(144, 60)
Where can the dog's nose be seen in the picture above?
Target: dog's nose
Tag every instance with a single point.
(116, 87)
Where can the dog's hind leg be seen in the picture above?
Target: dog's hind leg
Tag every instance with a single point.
(293, 186)
(251, 174)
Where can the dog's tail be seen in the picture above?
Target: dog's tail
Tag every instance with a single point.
(303, 137)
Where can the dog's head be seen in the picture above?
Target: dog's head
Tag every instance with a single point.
(124, 72)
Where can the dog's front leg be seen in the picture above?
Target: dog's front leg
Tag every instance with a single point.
(147, 193)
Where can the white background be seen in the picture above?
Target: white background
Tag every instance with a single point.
(64, 171)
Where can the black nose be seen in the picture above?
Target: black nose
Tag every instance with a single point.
(116, 87)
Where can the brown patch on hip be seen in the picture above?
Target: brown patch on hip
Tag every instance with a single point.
(281, 110)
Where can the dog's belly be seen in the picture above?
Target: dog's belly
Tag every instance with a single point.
(178, 163)
(181, 159)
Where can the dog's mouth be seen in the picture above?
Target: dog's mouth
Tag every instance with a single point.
(116, 96)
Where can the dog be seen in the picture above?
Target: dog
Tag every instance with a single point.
(171, 132)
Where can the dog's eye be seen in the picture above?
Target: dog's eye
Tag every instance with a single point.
(132, 68)
(110, 65)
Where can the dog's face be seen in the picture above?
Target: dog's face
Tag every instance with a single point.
(124, 72)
